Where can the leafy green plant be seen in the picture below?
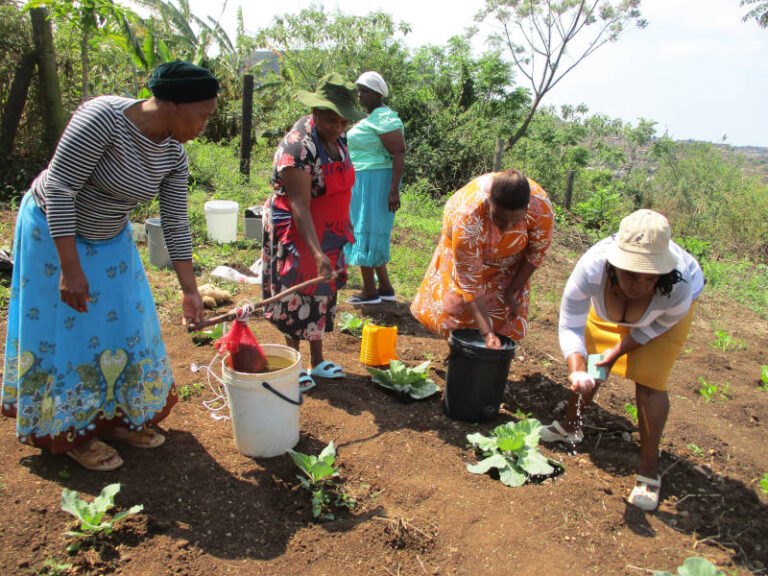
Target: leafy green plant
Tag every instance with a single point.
(188, 390)
(413, 382)
(764, 483)
(693, 566)
(711, 392)
(727, 343)
(763, 378)
(352, 324)
(519, 415)
(91, 515)
(631, 411)
(512, 449)
(53, 568)
(208, 336)
(320, 472)
(695, 450)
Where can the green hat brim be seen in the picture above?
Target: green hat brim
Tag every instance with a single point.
(313, 100)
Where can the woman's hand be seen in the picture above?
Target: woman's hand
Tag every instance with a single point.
(324, 266)
(581, 382)
(191, 308)
(73, 287)
(492, 341)
(394, 200)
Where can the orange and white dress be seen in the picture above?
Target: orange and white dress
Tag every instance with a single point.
(475, 260)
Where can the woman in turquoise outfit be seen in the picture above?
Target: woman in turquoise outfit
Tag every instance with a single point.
(377, 149)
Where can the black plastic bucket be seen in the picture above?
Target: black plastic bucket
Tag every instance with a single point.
(476, 375)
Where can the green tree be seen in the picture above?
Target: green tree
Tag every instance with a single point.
(546, 40)
(758, 12)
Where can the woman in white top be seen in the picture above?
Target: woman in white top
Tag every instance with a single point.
(631, 297)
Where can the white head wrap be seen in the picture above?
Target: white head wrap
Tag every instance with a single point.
(374, 81)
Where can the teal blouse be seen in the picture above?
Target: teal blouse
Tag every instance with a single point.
(365, 147)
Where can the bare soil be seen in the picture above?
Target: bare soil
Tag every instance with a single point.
(210, 510)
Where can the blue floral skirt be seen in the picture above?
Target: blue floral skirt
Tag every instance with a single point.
(71, 376)
(371, 219)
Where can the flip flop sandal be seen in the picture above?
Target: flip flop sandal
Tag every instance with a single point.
(645, 494)
(305, 381)
(327, 369)
(96, 457)
(556, 433)
(146, 438)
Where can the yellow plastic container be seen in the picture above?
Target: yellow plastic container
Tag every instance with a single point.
(378, 345)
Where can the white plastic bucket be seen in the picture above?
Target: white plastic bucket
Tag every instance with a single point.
(158, 253)
(265, 407)
(221, 220)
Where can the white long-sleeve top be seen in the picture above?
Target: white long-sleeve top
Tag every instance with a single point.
(586, 287)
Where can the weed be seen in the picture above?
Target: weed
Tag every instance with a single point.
(91, 516)
(519, 415)
(64, 474)
(631, 411)
(53, 568)
(695, 450)
(764, 483)
(188, 390)
(320, 472)
(763, 378)
(711, 392)
(727, 343)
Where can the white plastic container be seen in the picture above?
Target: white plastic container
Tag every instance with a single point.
(158, 253)
(221, 220)
(265, 407)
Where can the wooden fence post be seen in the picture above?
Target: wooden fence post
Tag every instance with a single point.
(246, 142)
(569, 188)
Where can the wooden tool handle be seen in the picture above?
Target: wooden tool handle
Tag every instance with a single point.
(232, 314)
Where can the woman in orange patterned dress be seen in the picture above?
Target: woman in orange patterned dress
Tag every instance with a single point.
(496, 232)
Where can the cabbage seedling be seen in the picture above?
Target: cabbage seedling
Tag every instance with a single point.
(352, 324)
(404, 380)
(91, 516)
(693, 566)
(512, 449)
(319, 473)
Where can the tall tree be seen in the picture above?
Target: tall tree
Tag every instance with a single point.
(759, 12)
(547, 39)
(53, 111)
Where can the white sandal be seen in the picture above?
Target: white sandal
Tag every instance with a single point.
(547, 434)
(645, 494)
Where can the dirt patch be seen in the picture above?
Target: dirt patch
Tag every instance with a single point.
(210, 510)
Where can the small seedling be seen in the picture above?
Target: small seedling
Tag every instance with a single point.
(188, 390)
(727, 343)
(693, 566)
(320, 472)
(764, 483)
(631, 411)
(91, 516)
(711, 392)
(519, 415)
(512, 449)
(763, 378)
(64, 474)
(695, 450)
(352, 324)
(53, 568)
(413, 382)
(208, 336)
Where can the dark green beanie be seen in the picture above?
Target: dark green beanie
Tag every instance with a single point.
(180, 81)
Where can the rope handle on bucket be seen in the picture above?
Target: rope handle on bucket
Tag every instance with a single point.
(298, 402)
(245, 311)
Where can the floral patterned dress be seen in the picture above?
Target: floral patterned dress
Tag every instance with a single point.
(475, 260)
(309, 313)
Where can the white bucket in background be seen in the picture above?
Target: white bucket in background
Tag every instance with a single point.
(158, 253)
(265, 418)
(221, 220)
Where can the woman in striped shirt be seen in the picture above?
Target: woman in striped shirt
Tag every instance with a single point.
(84, 356)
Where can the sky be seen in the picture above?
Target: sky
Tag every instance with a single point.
(697, 70)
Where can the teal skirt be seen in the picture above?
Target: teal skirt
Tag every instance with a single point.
(71, 376)
(371, 219)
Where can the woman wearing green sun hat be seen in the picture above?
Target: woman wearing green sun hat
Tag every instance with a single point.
(306, 221)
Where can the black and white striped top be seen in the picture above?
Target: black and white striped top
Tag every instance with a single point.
(102, 167)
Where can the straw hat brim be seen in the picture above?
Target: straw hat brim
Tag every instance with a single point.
(643, 263)
(314, 100)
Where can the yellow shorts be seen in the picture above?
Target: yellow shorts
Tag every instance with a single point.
(648, 365)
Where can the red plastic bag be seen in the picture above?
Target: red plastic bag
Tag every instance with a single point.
(245, 354)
